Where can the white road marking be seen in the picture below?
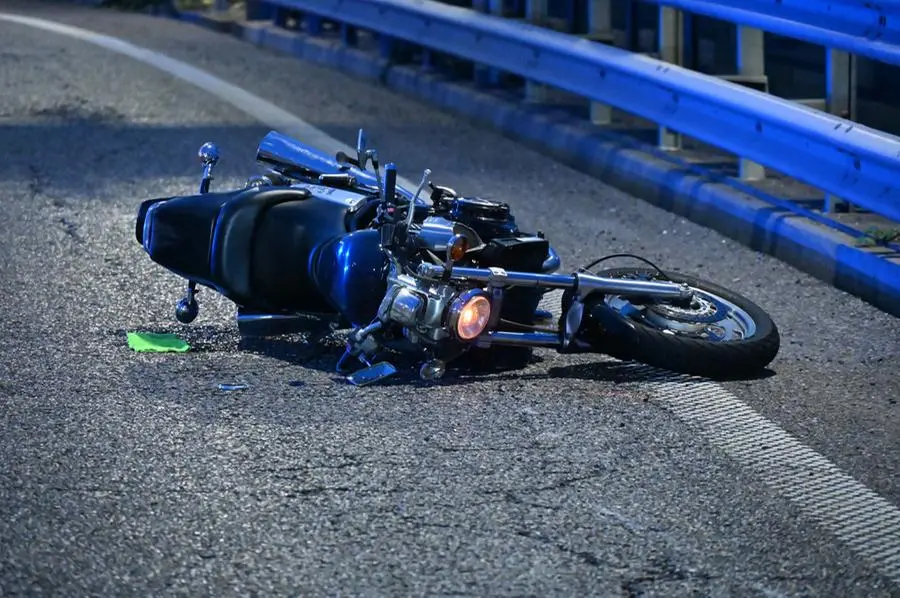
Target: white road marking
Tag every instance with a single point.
(252, 105)
(860, 518)
(864, 521)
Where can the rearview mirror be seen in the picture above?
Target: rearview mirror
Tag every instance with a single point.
(361, 155)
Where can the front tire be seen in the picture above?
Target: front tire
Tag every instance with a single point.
(721, 335)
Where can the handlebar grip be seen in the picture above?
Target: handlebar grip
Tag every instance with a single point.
(390, 181)
(337, 180)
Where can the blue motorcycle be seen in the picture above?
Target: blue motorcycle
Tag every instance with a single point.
(443, 279)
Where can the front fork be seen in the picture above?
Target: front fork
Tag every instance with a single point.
(567, 338)
(583, 285)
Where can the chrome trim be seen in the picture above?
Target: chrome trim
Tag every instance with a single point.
(209, 157)
(668, 290)
(435, 232)
(518, 339)
(521, 279)
(583, 282)
(406, 307)
(254, 318)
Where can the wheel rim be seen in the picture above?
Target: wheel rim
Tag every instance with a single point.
(709, 317)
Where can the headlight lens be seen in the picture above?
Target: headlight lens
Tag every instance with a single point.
(469, 314)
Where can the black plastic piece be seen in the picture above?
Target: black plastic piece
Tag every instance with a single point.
(390, 182)
(525, 254)
(489, 219)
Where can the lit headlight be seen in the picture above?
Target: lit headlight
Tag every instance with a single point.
(469, 314)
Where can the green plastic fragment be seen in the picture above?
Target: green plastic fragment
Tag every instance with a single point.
(152, 342)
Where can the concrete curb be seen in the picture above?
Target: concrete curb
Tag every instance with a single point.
(873, 274)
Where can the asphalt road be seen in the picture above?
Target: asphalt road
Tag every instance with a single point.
(130, 474)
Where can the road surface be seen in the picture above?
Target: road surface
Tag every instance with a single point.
(127, 473)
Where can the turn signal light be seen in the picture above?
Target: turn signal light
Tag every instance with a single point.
(457, 248)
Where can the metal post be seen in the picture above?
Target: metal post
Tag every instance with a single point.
(671, 49)
(751, 61)
(349, 35)
(840, 100)
(313, 24)
(485, 76)
(257, 10)
(536, 12)
(600, 24)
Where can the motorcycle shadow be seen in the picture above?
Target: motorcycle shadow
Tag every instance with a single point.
(323, 355)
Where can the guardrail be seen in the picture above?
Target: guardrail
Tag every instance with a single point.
(844, 159)
(870, 29)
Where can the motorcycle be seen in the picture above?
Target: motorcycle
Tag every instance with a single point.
(446, 280)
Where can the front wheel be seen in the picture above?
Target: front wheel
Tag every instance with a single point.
(721, 334)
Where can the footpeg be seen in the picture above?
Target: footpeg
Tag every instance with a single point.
(374, 373)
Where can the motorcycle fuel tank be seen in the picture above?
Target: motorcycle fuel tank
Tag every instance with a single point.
(350, 271)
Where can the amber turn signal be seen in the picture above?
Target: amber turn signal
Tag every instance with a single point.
(457, 248)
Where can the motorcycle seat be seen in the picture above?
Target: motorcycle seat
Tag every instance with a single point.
(177, 232)
(209, 237)
(234, 237)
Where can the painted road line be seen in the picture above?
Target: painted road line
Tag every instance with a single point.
(864, 521)
(252, 105)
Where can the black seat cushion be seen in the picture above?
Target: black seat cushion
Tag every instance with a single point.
(289, 235)
(177, 232)
(235, 237)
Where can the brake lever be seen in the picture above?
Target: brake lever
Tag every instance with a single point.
(345, 161)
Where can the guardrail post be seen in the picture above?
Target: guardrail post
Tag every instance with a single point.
(840, 99)
(313, 23)
(671, 49)
(600, 31)
(257, 10)
(349, 35)
(536, 12)
(751, 62)
(485, 76)
(385, 46)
